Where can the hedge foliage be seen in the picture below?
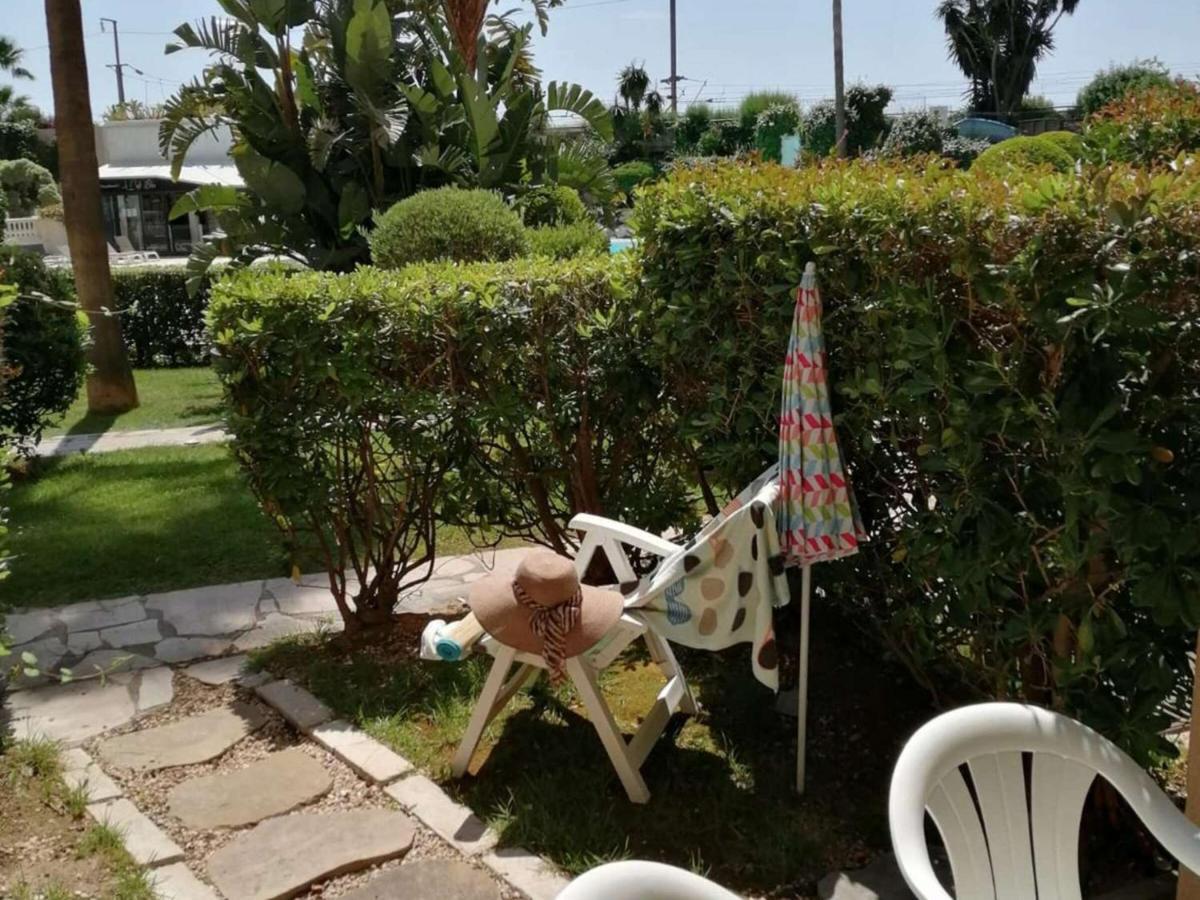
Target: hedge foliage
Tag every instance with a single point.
(448, 224)
(1115, 82)
(567, 241)
(1014, 369)
(161, 322)
(552, 204)
(1148, 127)
(629, 175)
(44, 339)
(369, 408)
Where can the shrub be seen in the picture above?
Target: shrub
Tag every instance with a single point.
(1013, 376)
(1065, 140)
(27, 186)
(504, 397)
(1116, 82)
(866, 125)
(915, 133)
(963, 151)
(44, 341)
(161, 322)
(448, 224)
(691, 126)
(1148, 127)
(18, 140)
(567, 241)
(1024, 153)
(552, 204)
(629, 175)
(773, 124)
(756, 103)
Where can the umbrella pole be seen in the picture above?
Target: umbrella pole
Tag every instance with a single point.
(802, 681)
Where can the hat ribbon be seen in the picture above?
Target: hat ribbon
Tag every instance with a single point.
(552, 624)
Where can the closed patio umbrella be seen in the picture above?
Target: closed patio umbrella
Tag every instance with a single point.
(817, 517)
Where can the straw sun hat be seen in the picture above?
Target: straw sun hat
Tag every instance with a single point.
(544, 609)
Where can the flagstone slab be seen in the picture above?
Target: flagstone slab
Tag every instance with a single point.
(111, 662)
(281, 857)
(146, 843)
(185, 649)
(176, 882)
(153, 688)
(429, 879)
(218, 671)
(195, 739)
(301, 599)
(144, 632)
(294, 703)
(106, 614)
(275, 784)
(81, 772)
(72, 712)
(272, 627)
(23, 627)
(361, 752)
(81, 642)
(209, 611)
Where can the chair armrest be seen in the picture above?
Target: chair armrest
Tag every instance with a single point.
(626, 534)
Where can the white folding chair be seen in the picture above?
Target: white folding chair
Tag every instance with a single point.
(627, 756)
(639, 880)
(1013, 839)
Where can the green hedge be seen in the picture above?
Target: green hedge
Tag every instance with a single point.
(1014, 371)
(567, 241)
(369, 407)
(44, 336)
(1150, 127)
(161, 323)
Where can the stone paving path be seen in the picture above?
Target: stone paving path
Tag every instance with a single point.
(106, 442)
(180, 626)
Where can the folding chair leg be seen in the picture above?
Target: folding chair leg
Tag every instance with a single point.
(491, 700)
(664, 658)
(606, 727)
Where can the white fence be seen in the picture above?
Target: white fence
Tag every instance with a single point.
(22, 231)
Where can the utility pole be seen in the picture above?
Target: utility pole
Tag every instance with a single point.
(674, 70)
(839, 81)
(118, 68)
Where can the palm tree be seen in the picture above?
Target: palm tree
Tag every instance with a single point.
(839, 82)
(998, 44)
(110, 387)
(16, 107)
(632, 84)
(10, 59)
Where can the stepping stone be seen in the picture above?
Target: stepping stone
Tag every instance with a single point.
(72, 712)
(275, 784)
(281, 857)
(432, 879)
(195, 739)
(218, 671)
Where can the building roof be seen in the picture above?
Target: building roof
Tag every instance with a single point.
(188, 175)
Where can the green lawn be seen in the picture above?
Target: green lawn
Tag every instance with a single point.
(721, 783)
(169, 398)
(135, 521)
(139, 521)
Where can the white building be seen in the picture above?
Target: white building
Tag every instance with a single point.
(138, 193)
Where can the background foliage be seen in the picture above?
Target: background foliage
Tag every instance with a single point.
(162, 322)
(1148, 127)
(1014, 374)
(1115, 82)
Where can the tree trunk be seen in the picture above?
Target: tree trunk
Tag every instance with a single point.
(110, 387)
(1189, 883)
(839, 81)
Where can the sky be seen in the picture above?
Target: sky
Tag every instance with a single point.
(726, 48)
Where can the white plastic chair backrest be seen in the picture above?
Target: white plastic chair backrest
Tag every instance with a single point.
(1014, 840)
(638, 880)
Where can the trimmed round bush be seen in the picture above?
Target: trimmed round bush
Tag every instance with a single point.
(448, 224)
(552, 204)
(27, 186)
(568, 241)
(629, 175)
(1067, 140)
(43, 349)
(1023, 153)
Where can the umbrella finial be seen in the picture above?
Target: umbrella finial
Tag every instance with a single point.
(810, 269)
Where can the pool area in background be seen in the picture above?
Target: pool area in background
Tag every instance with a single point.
(619, 245)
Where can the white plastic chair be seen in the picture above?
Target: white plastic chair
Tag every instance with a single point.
(1001, 845)
(638, 880)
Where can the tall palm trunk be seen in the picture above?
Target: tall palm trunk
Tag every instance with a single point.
(110, 387)
(839, 80)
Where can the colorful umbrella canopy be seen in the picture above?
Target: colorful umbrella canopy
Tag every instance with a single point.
(817, 517)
